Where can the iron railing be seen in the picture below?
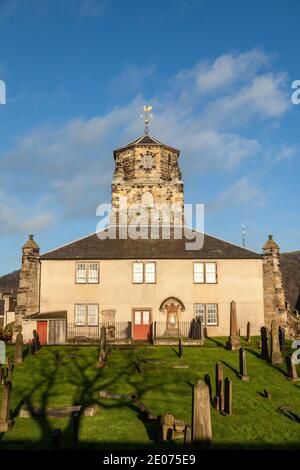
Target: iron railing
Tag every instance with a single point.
(91, 334)
(188, 329)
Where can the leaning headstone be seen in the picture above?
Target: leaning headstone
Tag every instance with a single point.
(267, 394)
(243, 365)
(234, 338)
(291, 370)
(19, 349)
(201, 419)
(180, 347)
(228, 397)
(167, 422)
(281, 331)
(264, 343)
(248, 339)
(276, 357)
(219, 396)
(56, 439)
(5, 422)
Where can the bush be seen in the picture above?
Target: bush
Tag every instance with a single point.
(6, 334)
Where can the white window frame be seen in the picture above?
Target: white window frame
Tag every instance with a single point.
(149, 276)
(83, 279)
(95, 279)
(80, 323)
(212, 272)
(204, 312)
(199, 277)
(96, 313)
(208, 323)
(137, 275)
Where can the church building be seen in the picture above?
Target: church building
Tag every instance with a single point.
(142, 288)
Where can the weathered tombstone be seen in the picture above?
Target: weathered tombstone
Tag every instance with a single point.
(282, 338)
(248, 332)
(167, 422)
(180, 347)
(267, 394)
(35, 345)
(56, 439)
(276, 357)
(75, 429)
(264, 343)
(228, 397)
(291, 370)
(243, 365)
(102, 348)
(19, 349)
(208, 383)
(57, 357)
(234, 339)
(5, 422)
(201, 419)
(10, 368)
(219, 397)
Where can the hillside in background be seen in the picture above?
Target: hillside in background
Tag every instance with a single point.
(290, 265)
(10, 282)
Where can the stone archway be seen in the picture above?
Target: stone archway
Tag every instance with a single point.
(172, 307)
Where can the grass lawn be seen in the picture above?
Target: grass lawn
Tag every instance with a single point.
(255, 423)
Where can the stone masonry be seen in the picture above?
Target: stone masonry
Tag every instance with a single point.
(274, 294)
(28, 292)
(148, 175)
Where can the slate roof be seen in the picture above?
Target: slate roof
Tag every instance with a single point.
(48, 315)
(145, 140)
(91, 247)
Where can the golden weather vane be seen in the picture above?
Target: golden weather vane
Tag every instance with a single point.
(145, 116)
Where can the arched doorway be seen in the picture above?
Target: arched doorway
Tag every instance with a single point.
(172, 307)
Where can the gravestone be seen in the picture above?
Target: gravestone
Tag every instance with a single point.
(264, 343)
(228, 397)
(56, 439)
(35, 345)
(139, 366)
(282, 338)
(19, 349)
(75, 429)
(10, 368)
(248, 332)
(5, 422)
(102, 349)
(291, 370)
(167, 422)
(276, 357)
(201, 419)
(57, 357)
(267, 394)
(219, 397)
(243, 365)
(180, 347)
(234, 339)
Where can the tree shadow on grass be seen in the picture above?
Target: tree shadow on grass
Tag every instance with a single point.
(236, 372)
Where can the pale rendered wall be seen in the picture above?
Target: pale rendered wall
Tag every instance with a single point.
(239, 280)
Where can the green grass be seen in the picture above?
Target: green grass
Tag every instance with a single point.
(255, 422)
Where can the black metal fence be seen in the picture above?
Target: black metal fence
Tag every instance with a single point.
(91, 334)
(188, 329)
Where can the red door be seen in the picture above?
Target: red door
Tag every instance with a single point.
(141, 324)
(42, 331)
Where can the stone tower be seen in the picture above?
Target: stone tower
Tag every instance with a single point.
(274, 294)
(28, 298)
(148, 175)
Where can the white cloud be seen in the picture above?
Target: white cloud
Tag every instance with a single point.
(16, 217)
(286, 153)
(131, 79)
(242, 192)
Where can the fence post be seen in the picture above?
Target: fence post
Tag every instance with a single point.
(154, 335)
(130, 329)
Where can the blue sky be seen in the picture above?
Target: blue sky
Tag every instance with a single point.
(218, 75)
